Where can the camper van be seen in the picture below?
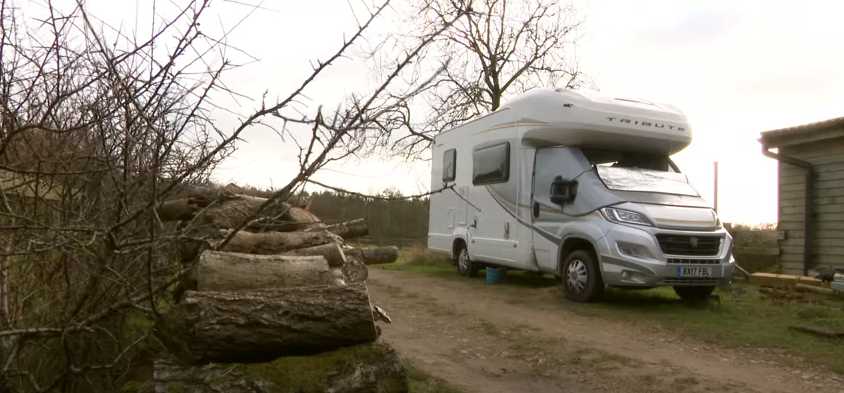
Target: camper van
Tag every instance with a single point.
(579, 185)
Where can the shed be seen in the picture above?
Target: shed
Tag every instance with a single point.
(811, 168)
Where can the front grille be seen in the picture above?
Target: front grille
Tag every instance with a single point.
(690, 261)
(690, 281)
(688, 245)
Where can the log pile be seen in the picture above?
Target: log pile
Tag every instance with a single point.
(281, 307)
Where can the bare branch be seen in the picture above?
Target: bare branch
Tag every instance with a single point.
(499, 48)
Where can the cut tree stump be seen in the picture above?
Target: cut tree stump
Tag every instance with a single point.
(354, 270)
(235, 272)
(364, 368)
(332, 253)
(374, 255)
(267, 323)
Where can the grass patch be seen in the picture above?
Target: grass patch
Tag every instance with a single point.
(419, 260)
(420, 382)
(419, 255)
(685, 382)
(744, 319)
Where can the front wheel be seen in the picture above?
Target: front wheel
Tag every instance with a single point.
(694, 294)
(465, 267)
(581, 277)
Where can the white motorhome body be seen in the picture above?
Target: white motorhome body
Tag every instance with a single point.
(531, 188)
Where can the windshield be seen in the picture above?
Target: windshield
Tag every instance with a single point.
(624, 159)
(645, 180)
(639, 172)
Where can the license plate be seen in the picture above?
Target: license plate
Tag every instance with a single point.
(693, 271)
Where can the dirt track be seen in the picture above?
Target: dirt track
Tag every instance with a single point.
(494, 339)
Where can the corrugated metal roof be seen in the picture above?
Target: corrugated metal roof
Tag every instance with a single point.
(770, 136)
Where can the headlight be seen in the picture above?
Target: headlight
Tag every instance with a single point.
(625, 216)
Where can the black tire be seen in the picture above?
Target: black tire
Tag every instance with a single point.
(585, 271)
(694, 294)
(465, 266)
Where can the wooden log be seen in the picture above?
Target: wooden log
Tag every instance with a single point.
(810, 288)
(227, 211)
(818, 331)
(188, 282)
(264, 324)
(176, 210)
(266, 243)
(195, 241)
(348, 229)
(232, 272)
(275, 243)
(230, 214)
(355, 270)
(332, 253)
(772, 291)
(374, 255)
(363, 368)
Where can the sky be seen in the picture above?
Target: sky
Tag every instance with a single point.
(735, 68)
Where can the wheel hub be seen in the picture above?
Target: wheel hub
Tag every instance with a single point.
(463, 261)
(577, 277)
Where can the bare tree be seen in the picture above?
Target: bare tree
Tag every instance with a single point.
(98, 130)
(497, 49)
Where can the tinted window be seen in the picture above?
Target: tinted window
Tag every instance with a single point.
(491, 164)
(449, 165)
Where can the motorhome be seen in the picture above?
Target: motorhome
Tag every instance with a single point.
(579, 185)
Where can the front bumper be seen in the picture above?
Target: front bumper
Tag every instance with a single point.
(632, 257)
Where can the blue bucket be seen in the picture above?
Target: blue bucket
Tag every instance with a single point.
(493, 275)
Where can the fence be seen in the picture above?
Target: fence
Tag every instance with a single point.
(756, 250)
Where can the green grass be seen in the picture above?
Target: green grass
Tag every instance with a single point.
(744, 319)
(420, 382)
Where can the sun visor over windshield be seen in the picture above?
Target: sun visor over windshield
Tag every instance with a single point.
(643, 180)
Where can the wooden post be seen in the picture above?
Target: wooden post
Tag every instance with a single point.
(716, 187)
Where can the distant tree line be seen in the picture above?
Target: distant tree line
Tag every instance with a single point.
(393, 218)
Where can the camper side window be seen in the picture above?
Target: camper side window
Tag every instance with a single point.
(491, 164)
(449, 165)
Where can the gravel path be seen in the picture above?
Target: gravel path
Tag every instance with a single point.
(494, 339)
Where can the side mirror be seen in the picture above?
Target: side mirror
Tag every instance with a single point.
(563, 190)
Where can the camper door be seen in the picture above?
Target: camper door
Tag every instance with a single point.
(494, 191)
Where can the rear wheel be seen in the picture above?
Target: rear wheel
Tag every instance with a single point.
(465, 266)
(694, 294)
(581, 277)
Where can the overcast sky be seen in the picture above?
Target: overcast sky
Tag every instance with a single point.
(736, 68)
